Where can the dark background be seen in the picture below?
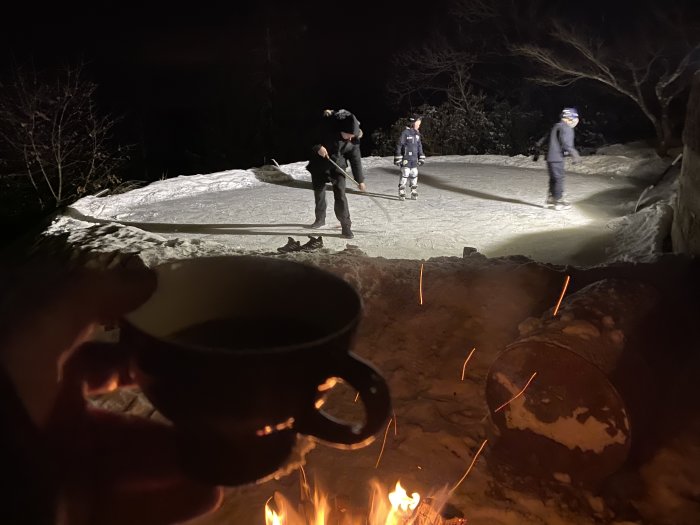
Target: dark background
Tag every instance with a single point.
(220, 85)
(216, 85)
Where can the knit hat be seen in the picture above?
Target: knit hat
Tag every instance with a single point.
(569, 113)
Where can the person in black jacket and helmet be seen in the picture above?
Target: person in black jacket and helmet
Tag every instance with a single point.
(409, 155)
(339, 140)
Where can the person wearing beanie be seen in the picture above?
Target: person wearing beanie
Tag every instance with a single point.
(339, 141)
(561, 145)
(409, 155)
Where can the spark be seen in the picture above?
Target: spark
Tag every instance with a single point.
(470, 466)
(516, 396)
(561, 297)
(464, 366)
(420, 284)
(304, 489)
(386, 433)
(357, 396)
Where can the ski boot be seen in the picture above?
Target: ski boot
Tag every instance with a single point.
(314, 243)
(291, 246)
(402, 193)
(414, 193)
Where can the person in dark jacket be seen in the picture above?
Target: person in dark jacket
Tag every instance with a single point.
(561, 144)
(339, 141)
(409, 155)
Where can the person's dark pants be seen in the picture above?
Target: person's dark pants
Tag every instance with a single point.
(556, 179)
(341, 209)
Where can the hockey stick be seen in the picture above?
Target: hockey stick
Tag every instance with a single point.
(341, 170)
(347, 176)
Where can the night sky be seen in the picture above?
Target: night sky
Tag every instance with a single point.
(189, 78)
(197, 83)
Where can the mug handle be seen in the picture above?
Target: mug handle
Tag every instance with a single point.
(374, 394)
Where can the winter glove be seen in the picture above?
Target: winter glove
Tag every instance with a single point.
(421, 160)
(397, 160)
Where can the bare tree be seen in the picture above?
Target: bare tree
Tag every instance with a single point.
(436, 68)
(51, 129)
(648, 57)
(652, 66)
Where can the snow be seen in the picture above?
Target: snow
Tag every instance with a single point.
(487, 248)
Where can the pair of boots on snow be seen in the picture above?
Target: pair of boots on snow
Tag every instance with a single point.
(402, 192)
(314, 243)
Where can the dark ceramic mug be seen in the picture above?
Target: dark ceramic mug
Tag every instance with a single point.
(236, 352)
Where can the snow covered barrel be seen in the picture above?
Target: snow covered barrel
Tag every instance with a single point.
(588, 384)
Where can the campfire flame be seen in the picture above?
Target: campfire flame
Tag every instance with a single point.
(401, 502)
(393, 508)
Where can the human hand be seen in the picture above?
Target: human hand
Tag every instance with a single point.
(362, 186)
(99, 467)
(323, 152)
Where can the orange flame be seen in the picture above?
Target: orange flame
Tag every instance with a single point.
(401, 502)
(271, 517)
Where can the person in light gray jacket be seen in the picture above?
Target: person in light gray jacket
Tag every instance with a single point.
(561, 145)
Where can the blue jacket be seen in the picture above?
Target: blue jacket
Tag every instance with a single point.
(409, 149)
(561, 143)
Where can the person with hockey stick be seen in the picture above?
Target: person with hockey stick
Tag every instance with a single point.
(409, 155)
(561, 145)
(338, 141)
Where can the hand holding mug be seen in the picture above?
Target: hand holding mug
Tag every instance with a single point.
(81, 465)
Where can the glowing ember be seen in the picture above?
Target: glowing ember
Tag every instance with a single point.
(464, 366)
(516, 396)
(561, 296)
(420, 284)
(471, 466)
(386, 433)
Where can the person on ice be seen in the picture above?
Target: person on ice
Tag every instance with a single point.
(339, 141)
(409, 155)
(561, 144)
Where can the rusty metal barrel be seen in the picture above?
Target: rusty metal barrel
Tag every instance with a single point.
(575, 420)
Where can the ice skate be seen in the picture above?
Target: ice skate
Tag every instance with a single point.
(561, 204)
(402, 194)
(550, 201)
(414, 193)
